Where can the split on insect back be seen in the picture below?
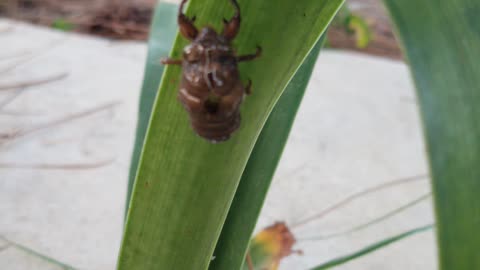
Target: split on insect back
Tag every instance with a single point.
(211, 90)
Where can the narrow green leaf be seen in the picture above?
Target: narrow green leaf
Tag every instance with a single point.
(371, 248)
(185, 185)
(258, 174)
(162, 35)
(441, 40)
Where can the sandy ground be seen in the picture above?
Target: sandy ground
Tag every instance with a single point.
(357, 127)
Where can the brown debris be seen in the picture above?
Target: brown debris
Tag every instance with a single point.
(119, 22)
(25, 84)
(280, 237)
(285, 237)
(56, 166)
(130, 20)
(21, 133)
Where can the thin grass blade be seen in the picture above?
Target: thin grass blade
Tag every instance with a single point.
(371, 248)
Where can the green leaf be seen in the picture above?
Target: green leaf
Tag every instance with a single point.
(185, 185)
(162, 35)
(441, 40)
(258, 174)
(371, 248)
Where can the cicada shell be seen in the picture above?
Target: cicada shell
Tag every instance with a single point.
(211, 90)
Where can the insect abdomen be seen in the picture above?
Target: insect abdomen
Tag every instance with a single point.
(213, 117)
(216, 131)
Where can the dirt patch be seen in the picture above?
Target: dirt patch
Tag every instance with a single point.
(124, 19)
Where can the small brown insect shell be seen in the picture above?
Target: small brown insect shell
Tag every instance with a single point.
(211, 90)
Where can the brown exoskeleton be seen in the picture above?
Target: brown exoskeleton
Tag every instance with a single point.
(210, 89)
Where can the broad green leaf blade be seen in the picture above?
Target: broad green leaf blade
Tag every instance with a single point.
(441, 40)
(161, 38)
(185, 185)
(250, 195)
(371, 248)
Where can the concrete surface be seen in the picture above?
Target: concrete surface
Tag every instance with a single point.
(358, 127)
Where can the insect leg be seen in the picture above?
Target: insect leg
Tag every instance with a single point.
(187, 28)
(170, 61)
(250, 57)
(232, 27)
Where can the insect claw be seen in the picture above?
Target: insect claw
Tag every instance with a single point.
(250, 57)
(232, 26)
(187, 28)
